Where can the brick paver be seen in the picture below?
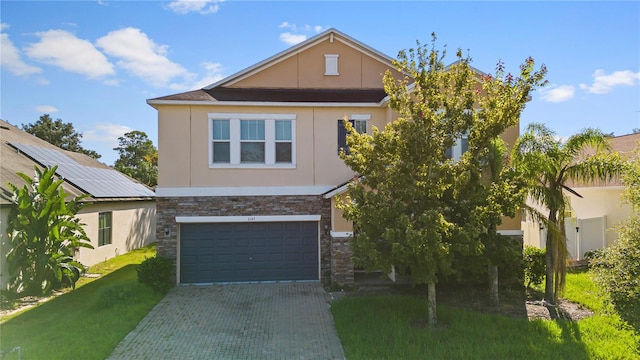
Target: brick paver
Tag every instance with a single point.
(238, 321)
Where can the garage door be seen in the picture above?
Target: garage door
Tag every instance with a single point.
(248, 251)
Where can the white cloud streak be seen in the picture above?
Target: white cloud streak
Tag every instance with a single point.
(200, 6)
(10, 58)
(292, 39)
(106, 133)
(141, 56)
(603, 83)
(64, 50)
(297, 34)
(556, 94)
(46, 109)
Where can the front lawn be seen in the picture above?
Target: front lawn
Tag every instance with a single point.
(88, 322)
(394, 327)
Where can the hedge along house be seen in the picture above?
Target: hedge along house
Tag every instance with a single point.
(249, 167)
(119, 216)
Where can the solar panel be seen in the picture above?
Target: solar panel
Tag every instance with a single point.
(98, 182)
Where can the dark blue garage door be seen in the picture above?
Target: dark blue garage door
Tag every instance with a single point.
(248, 251)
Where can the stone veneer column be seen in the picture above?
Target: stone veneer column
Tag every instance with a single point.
(341, 265)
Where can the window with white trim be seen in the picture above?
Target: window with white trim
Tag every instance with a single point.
(460, 147)
(251, 140)
(360, 124)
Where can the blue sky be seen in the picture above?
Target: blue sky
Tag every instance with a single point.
(94, 63)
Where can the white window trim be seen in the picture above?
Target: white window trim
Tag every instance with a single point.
(234, 135)
(456, 149)
(331, 64)
(242, 219)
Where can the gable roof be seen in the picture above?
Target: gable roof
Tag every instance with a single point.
(21, 151)
(222, 91)
(331, 34)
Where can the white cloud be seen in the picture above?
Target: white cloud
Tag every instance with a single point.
(213, 73)
(286, 25)
(141, 56)
(10, 57)
(603, 83)
(200, 6)
(46, 109)
(292, 39)
(557, 94)
(63, 49)
(3, 26)
(297, 34)
(106, 133)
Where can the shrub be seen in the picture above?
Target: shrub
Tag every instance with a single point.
(617, 271)
(157, 272)
(534, 265)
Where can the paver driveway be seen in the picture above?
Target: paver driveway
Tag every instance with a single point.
(240, 321)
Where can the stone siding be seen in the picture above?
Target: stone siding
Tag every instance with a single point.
(341, 266)
(170, 207)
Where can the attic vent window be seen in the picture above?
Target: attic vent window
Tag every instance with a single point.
(331, 64)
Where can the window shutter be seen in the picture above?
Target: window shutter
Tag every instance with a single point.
(342, 136)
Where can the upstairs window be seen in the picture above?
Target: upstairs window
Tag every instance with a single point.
(460, 147)
(252, 140)
(360, 124)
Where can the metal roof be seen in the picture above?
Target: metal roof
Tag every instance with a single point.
(99, 182)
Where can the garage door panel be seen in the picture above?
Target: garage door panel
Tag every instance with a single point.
(219, 252)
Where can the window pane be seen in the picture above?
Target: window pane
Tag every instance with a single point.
(283, 152)
(465, 145)
(448, 153)
(252, 130)
(221, 152)
(252, 152)
(221, 129)
(283, 129)
(360, 126)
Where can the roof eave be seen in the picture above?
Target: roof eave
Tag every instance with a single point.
(263, 103)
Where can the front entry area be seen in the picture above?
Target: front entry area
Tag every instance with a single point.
(248, 251)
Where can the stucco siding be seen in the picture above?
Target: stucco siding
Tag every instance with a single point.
(133, 226)
(174, 132)
(184, 148)
(598, 202)
(306, 69)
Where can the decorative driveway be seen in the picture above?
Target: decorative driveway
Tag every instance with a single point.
(238, 321)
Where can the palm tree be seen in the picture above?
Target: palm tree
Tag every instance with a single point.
(551, 164)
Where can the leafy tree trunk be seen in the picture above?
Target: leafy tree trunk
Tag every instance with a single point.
(431, 304)
(493, 284)
(549, 294)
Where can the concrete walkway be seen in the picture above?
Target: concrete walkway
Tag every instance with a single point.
(240, 321)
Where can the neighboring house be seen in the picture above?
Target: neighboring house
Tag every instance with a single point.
(591, 223)
(248, 167)
(120, 215)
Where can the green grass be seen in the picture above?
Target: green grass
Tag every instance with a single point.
(88, 322)
(394, 327)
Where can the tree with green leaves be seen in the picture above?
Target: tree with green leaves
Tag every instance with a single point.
(60, 134)
(414, 208)
(43, 235)
(138, 157)
(551, 165)
(617, 268)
